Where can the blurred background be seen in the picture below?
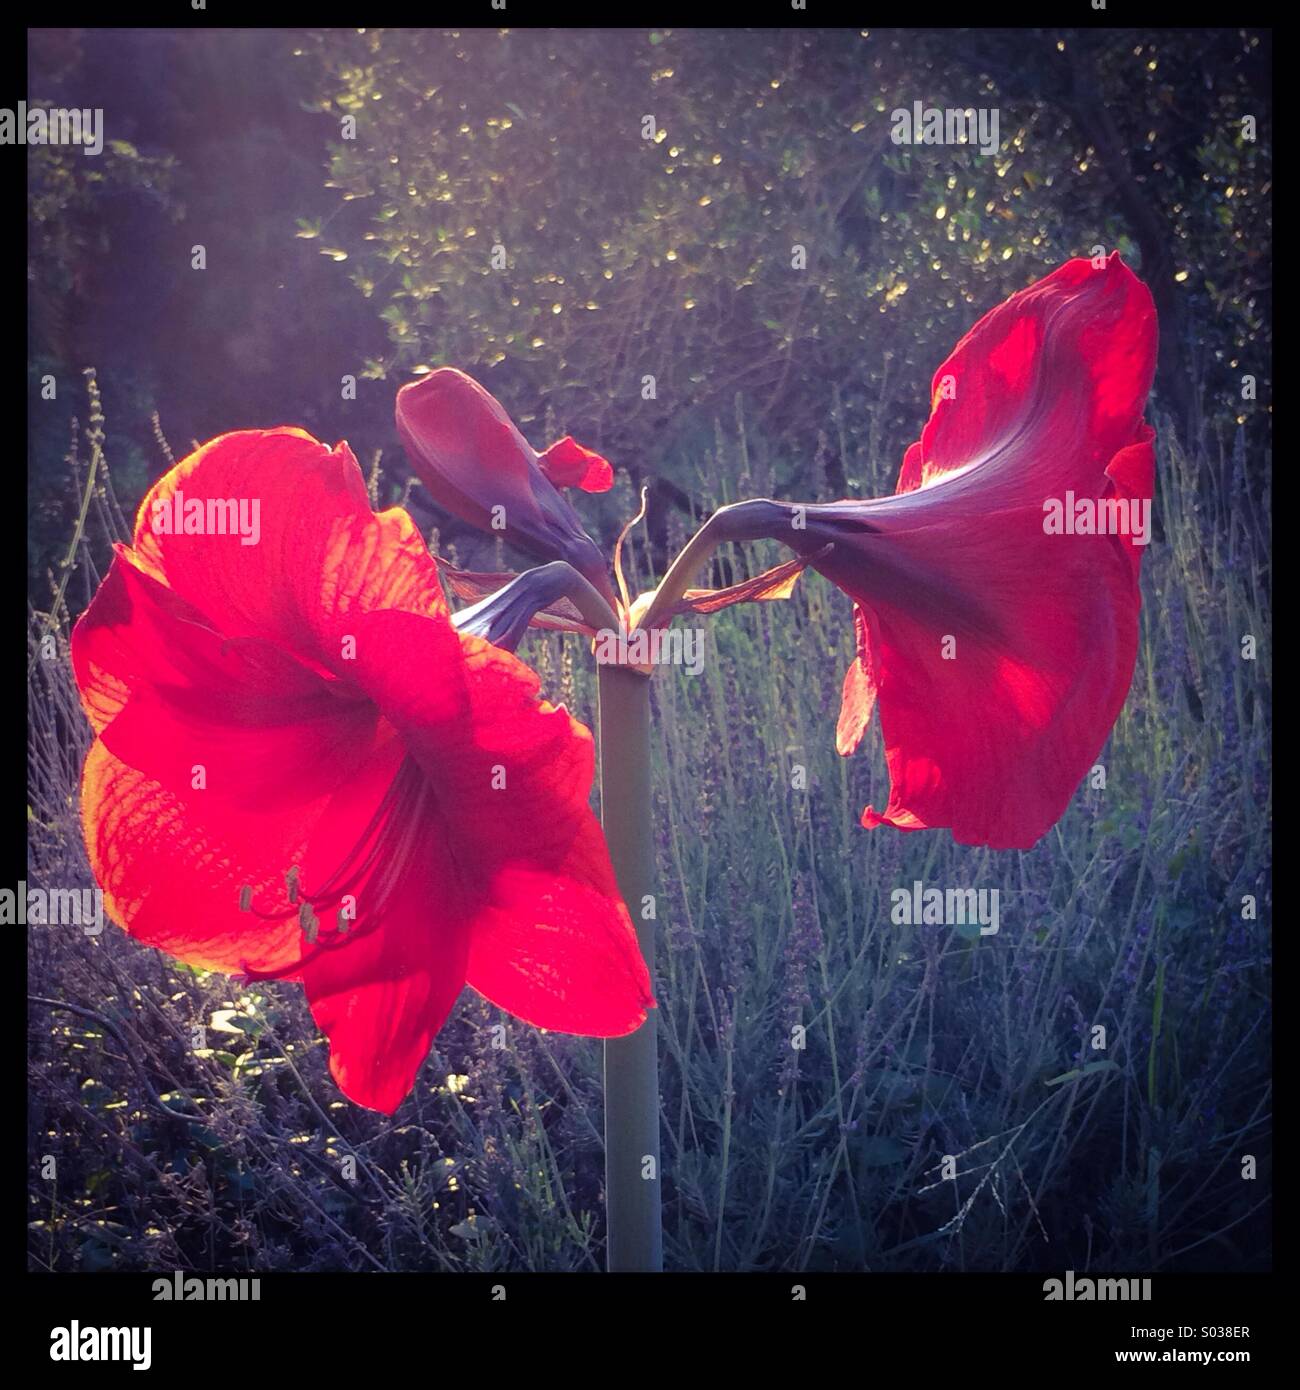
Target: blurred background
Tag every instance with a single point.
(363, 249)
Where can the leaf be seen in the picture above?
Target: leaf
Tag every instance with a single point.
(232, 1021)
(1089, 1069)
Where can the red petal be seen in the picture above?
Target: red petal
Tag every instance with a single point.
(382, 999)
(230, 669)
(381, 992)
(1070, 360)
(775, 583)
(557, 948)
(858, 698)
(1000, 655)
(320, 555)
(173, 868)
(551, 938)
(568, 464)
(466, 451)
(994, 741)
(170, 696)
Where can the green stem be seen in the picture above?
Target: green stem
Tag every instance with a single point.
(759, 519)
(632, 1177)
(690, 560)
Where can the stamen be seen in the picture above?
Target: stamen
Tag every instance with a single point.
(378, 861)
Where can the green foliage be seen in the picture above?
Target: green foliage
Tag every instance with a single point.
(672, 256)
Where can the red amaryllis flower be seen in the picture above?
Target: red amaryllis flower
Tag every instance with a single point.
(303, 770)
(471, 457)
(996, 594)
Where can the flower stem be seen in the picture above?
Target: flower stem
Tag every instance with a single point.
(632, 1178)
(758, 519)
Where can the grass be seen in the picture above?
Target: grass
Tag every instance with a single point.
(948, 1109)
